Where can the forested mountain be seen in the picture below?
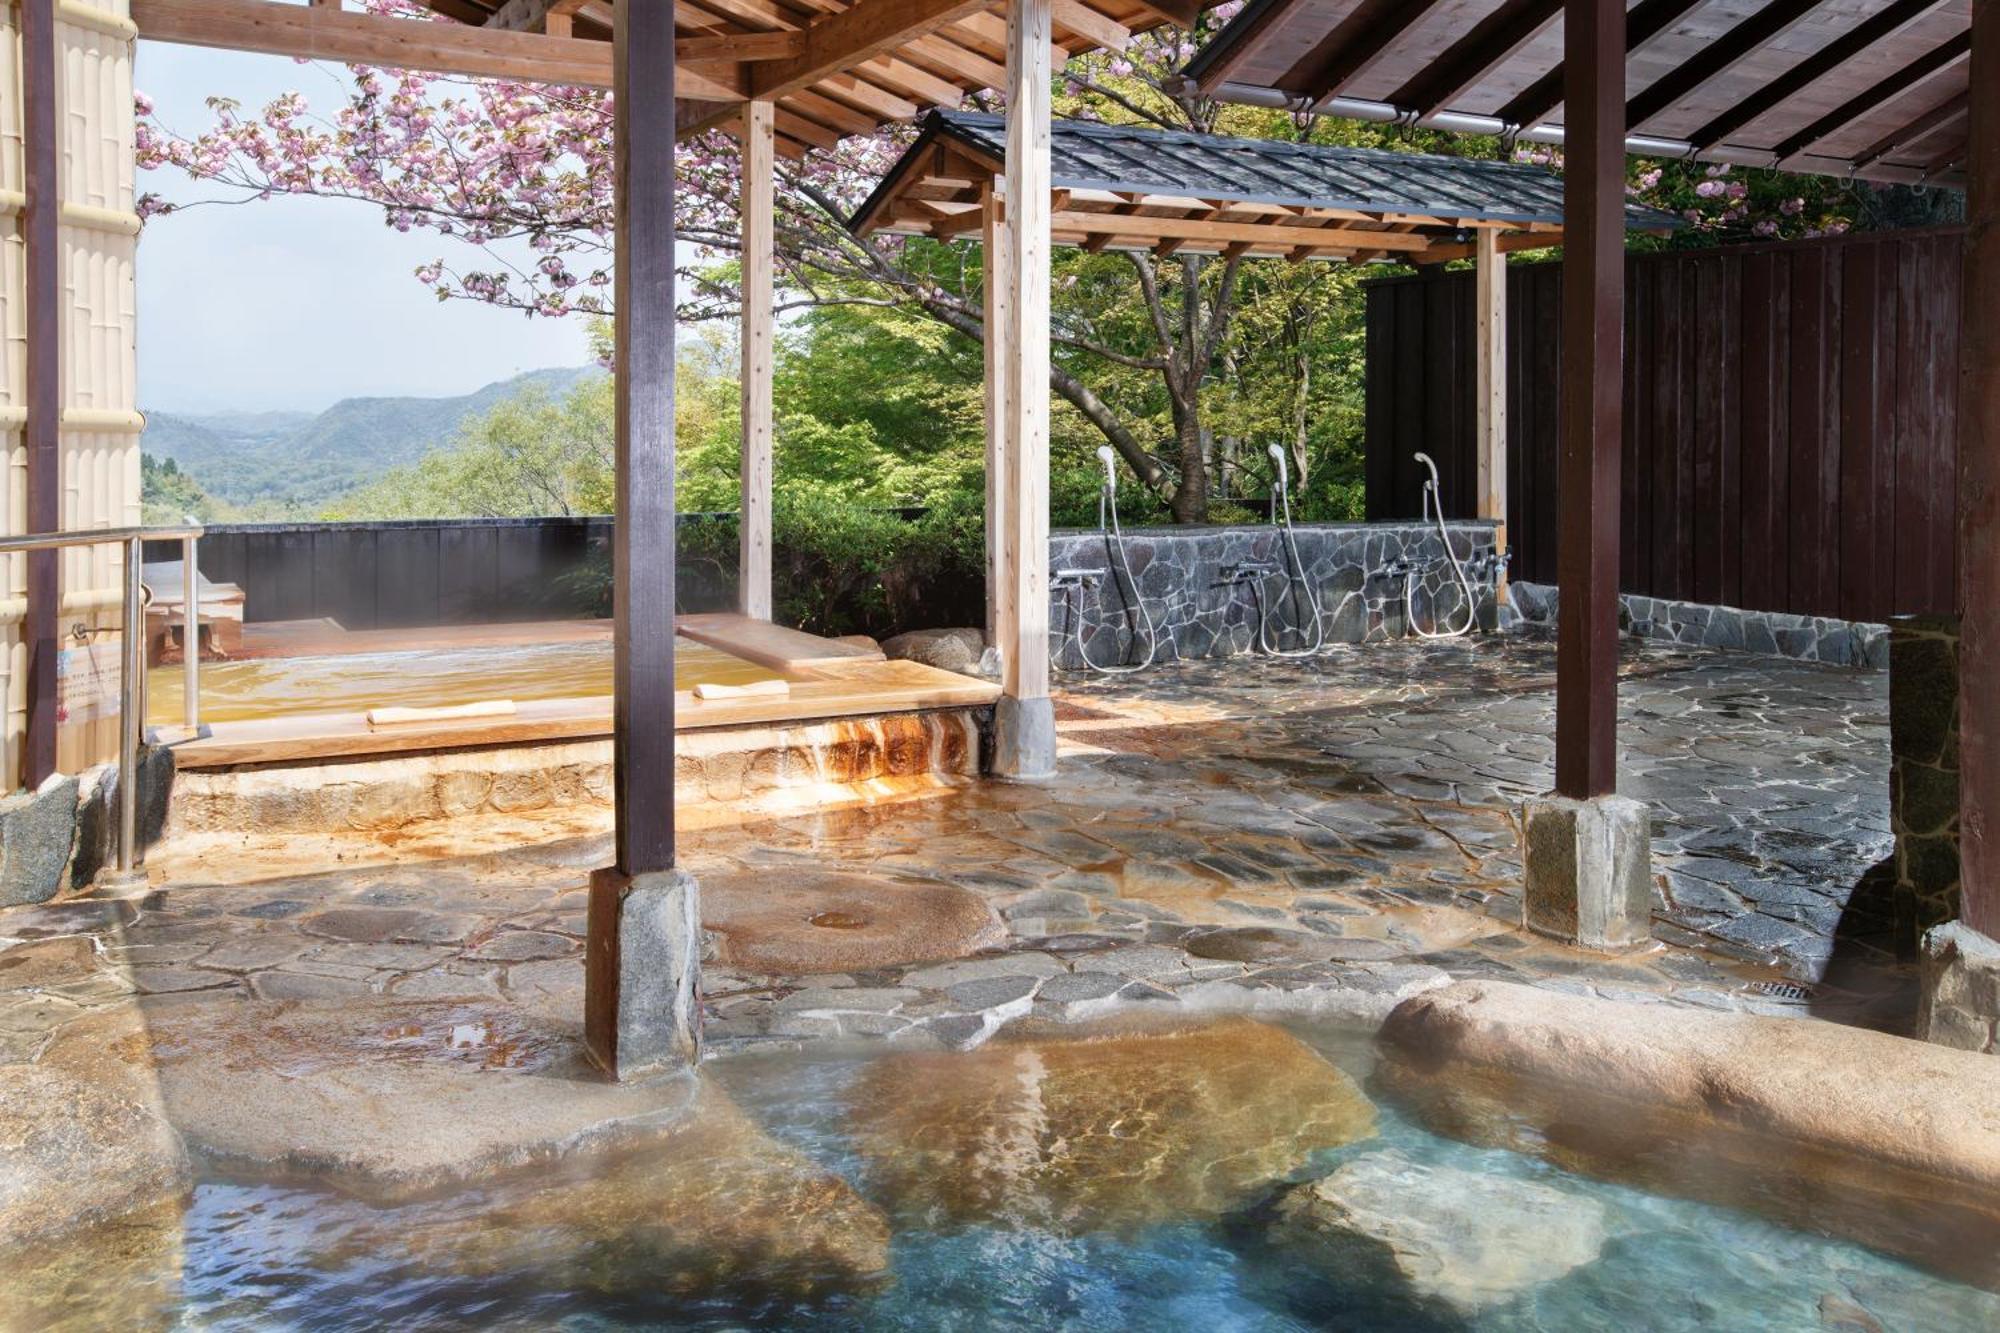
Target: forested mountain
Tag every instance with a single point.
(283, 464)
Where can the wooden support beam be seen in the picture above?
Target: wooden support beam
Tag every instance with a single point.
(868, 29)
(1353, 48)
(1490, 320)
(759, 357)
(1544, 95)
(1024, 582)
(998, 294)
(1720, 55)
(1933, 61)
(1979, 494)
(1097, 29)
(733, 46)
(643, 535)
(1858, 40)
(43, 295)
(1592, 408)
(1257, 233)
(758, 134)
(1486, 46)
(320, 33)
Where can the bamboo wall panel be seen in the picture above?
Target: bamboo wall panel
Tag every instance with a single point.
(13, 401)
(1790, 429)
(99, 439)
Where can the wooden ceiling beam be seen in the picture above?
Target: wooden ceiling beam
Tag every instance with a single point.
(740, 46)
(1098, 29)
(1536, 102)
(1353, 48)
(320, 32)
(869, 97)
(1443, 252)
(1159, 229)
(967, 66)
(837, 115)
(870, 28)
(900, 76)
(1934, 61)
(1486, 46)
(1858, 39)
(1940, 117)
(1718, 57)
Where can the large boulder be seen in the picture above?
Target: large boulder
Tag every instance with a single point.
(713, 1204)
(80, 1149)
(1893, 1142)
(1461, 1240)
(1115, 1131)
(960, 650)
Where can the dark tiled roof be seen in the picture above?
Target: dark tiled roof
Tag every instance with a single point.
(1086, 155)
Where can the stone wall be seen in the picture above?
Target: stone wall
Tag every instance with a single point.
(1923, 773)
(1207, 589)
(1775, 634)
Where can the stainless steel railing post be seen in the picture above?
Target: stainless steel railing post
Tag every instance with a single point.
(132, 674)
(191, 633)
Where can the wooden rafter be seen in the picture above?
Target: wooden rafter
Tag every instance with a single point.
(1540, 99)
(1766, 25)
(1485, 47)
(871, 28)
(1861, 38)
(1945, 114)
(1353, 48)
(1937, 59)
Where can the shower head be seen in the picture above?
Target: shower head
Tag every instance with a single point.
(1105, 457)
(1429, 466)
(1277, 452)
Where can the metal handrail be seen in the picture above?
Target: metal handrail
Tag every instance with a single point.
(132, 675)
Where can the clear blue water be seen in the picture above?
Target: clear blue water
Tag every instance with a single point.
(260, 1256)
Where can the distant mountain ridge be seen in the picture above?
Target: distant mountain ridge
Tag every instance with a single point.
(284, 463)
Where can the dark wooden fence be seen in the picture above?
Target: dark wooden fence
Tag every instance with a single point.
(1790, 419)
(392, 575)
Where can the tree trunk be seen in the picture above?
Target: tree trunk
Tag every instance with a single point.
(1190, 504)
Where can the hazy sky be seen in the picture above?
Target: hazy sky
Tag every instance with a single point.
(294, 303)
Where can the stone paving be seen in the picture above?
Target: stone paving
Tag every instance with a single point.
(1325, 836)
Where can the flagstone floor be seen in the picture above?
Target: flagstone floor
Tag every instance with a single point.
(1326, 836)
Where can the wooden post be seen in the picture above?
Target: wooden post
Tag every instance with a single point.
(1025, 719)
(759, 257)
(643, 546)
(1490, 282)
(42, 435)
(1979, 494)
(998, 291)
(1592, 397)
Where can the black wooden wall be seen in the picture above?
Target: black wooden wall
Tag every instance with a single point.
(1790, 427)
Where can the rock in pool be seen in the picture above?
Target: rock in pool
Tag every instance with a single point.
(1109, 1132)
(1459, 1240)
(715, 1204)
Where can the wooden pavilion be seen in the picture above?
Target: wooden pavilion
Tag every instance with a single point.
(1886, 90)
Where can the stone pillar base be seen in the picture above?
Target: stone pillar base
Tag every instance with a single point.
(1024, 738)
(642, 972)
(1589, 867)
(1961, 998)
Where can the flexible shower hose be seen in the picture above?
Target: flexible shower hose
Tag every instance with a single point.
(1107, 522)
(1291, 543)
(1434, 509)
